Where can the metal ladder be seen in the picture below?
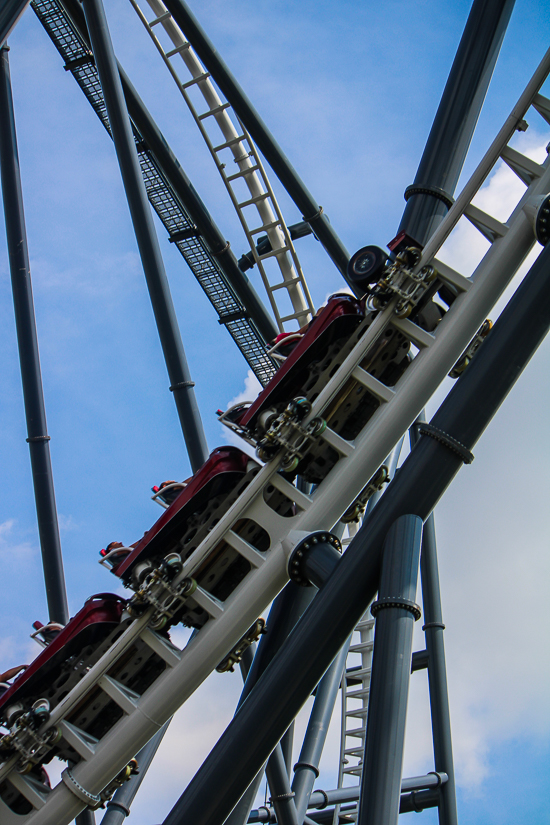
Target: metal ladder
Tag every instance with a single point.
(355, 702)
(174, 217)
(259, 200)
(358, 460)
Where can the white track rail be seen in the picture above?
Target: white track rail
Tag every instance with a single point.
(258, 209)
(187, 668)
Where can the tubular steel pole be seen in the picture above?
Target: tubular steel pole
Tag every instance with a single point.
(430, 196)
(157, 282)
(396, 613)
(437, 672)
(119, 806)
(285, 611)
(10, 12)
(306, 770)
(416, 489)
(272, 152)
(27, 340)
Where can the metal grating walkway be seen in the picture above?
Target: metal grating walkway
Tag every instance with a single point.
(174, 217)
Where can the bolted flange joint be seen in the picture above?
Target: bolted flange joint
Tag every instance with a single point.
(298, 561)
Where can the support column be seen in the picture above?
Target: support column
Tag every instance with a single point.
(306, 770)
(119, 806)
(157, 282)
(430, 196)
(396, 613)
(437, 671)
(35, 412)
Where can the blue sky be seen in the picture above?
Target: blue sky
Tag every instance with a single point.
(349, 90)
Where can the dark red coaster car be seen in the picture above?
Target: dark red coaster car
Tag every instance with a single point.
(92, 624)
(332, 327)
(183, 525)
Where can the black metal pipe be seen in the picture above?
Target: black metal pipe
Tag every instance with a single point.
(430, 196)
(119, 806)
(416, 489)
(306, 770)
(10, 12)
(437, 672)
(157, 282)
(282, 797)
(285, 611)
(312, 213)
(185, 191)
(396, 613)
(35, 412)
(86, 817)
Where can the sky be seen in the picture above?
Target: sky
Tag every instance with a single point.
(349, 90)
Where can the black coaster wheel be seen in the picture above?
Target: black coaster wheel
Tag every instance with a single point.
(365, 268)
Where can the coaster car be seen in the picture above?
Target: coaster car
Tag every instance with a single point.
(150, 567)
(273, 421)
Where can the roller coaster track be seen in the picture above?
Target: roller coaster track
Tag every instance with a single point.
(398, 406)
(164, 200)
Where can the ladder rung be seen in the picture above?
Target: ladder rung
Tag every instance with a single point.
(358, 694)
(362, 646)
(265, 227)
(489, 227)
(243, 174)
(525, 168)
(256, 199)
(366, 624)
(215, 111)
(360, 713)
(274, 253)
(195, 80)
(358, 733)
(165, 16)
(353, 752)
(228, 143)
(283, 284)
(295, 316)
(181, 48)
(358, 674)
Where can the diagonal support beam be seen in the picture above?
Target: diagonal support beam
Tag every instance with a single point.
(35, 411)
(157, 282)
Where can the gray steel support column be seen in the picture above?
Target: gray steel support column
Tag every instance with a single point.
(266, 143)
(306, 770)
(87, 817)
(430, 196)
(157, 282)
(416, 489)
(437, 672)
(10, 12)
(119, 806)
(282, 797)
(29, 358)
(285, 611)
(287, 744)
(391, 670)
(185, 191)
